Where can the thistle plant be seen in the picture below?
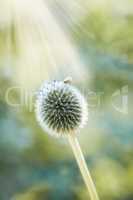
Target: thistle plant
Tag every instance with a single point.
(61, 110)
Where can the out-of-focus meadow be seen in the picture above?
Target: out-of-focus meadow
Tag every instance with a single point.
(92, 41)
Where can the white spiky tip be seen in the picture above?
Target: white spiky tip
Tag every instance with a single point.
(60, 108)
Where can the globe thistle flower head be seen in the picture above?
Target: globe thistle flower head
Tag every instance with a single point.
(60, 108)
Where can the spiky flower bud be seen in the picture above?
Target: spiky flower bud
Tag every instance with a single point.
(60, 108)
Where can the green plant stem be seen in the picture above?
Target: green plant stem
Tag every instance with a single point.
(83, 167)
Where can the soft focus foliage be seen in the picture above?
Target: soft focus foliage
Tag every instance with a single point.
(92, 42)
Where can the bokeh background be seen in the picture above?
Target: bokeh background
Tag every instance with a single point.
(92, 41)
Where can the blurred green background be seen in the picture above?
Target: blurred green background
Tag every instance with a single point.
(92, 41)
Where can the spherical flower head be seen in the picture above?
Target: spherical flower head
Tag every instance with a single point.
(60, 108)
